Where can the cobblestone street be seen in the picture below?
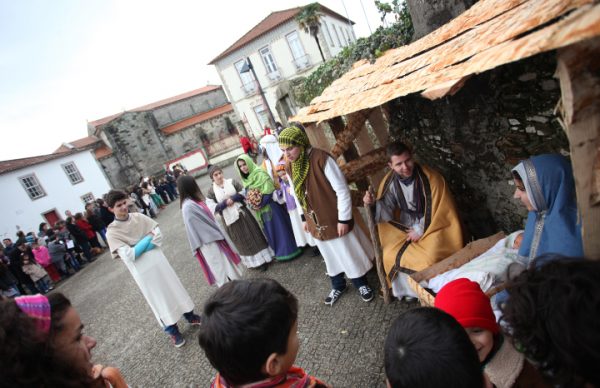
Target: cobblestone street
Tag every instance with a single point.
(342, 345)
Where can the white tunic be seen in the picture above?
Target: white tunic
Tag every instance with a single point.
(353, 252)
(158, 282)
(222, 269)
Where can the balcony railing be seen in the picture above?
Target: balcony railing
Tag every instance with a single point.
(302, 62)
(274, 76)
(249, 88)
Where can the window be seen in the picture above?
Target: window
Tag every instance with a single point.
(32, 186)
(301, 60)
(348, 37)
(337, 37)
(248, 84)
(87, 198)
(268, 60)
(328, 34)
(343, 37)
(262, 115)
(72, 173)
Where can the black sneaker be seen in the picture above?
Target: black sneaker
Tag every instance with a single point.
(333, 296)
(366, 293)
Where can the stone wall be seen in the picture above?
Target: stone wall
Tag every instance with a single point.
(180, 110)
(475, 137)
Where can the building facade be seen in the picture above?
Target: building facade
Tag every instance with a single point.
(278, 51)
(41, 188)
(140, 142)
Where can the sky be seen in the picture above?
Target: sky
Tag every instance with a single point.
(66, 62)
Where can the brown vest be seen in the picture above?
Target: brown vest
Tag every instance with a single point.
(321, 201)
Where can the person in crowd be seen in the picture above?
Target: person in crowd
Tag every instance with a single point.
(418, 220)
(73, 258)
(92, 215)
(161, 189)
(322, 192)
(286, 195)
(225, 199)
(545, 186)
(219, 262)
(20, 238)
(271, 156)
(43, 345)
(80, 237)
(16, 268)
(426, 347)
(553, 315)
(272, 216)
(8, 246)
(249, 335)
(42, 257)
(44, 232)
(105, 214)
(136, 240)
(147, 197)
(8, 283)
(171, 183)
(58, 255)
(267, 131)
(278, 128)
(136, 205)
(37, 274)
(501, 362)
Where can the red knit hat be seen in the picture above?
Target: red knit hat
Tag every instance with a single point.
(464, 300)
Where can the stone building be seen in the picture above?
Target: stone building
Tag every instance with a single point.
(278, 51)
(141, 141)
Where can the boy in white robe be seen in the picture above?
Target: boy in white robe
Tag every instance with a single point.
(136, 240)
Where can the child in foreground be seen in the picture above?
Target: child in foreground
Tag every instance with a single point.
(249, 334)
(426, 347)
(501, 362)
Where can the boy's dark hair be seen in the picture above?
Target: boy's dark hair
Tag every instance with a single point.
(553, 312)
(397, 148)
(115, 196)
(426, 347)
(244, 322)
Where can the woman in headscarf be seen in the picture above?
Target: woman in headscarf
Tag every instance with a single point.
(545, 186)
(225, 199)
(219, 262)
(322, 192)
(272, 215)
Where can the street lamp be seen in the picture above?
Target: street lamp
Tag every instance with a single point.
(247, 67)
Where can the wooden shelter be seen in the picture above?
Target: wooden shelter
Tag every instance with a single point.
(350, 118)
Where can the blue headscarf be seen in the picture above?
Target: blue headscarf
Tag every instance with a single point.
(553, 226)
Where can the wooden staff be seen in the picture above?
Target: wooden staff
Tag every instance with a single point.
(378, 253)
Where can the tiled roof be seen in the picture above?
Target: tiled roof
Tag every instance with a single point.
(17, 164)
(102, 152)
(157, 104)
(275, 19)
(178, 126)
(78, 144)
(489, 34)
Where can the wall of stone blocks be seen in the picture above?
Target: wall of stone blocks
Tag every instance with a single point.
(180, 110)
(475, 137)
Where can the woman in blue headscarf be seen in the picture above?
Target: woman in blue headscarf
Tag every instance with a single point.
(545, 186)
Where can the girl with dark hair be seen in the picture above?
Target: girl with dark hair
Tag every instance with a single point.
(42, 345)
(219, 262)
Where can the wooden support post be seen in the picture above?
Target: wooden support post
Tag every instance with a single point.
(316, 136)
(579, 73)
(380, 126)
(378, 256)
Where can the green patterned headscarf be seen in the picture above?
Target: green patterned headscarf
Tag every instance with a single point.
(257, 177)
(291, 137)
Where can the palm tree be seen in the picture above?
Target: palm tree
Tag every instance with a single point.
(309, 20)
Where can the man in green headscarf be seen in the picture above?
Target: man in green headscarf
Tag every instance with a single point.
(324, 197)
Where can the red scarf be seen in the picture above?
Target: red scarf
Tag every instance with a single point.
(294, 378)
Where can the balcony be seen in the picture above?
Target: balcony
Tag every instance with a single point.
(274, 76)
(249, 88)
(302, 62)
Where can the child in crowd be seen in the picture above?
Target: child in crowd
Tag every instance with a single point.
(249, 334)
(37, 274)
(505, 366)
(42, 257)
(426, 347)
(553, 311)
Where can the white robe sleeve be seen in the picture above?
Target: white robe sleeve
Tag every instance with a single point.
(126, 253)
(340, 186)
(157, 238)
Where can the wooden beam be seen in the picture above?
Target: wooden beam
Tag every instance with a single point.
(579, 73)
(379, 123)
(316, 136)
(346, 134)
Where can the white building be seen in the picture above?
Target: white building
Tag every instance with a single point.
(41, 188)
(279, 51)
